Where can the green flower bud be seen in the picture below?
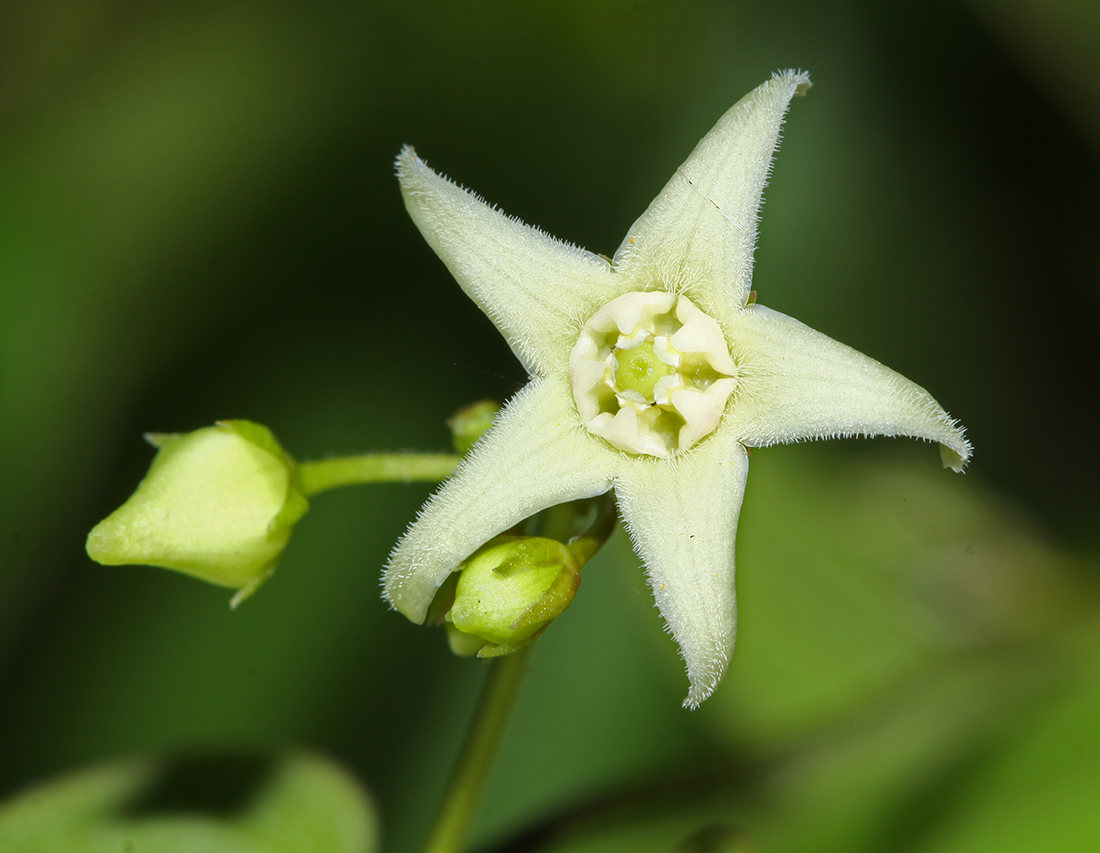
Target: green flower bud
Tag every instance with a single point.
(218, 503)
(508, 591)
(469, 422)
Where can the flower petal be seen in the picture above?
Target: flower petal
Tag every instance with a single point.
(798, 384)
(535, 456)
(697, 237)
(537, 290)
(681, 514)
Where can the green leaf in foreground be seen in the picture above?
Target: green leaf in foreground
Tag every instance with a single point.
(297, 803)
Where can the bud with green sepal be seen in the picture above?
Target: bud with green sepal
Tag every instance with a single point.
(508, 592)
(218, 503)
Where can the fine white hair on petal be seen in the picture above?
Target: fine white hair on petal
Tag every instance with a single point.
(536, 289)
(789, 382)
(681, 514)
(797, 384)
(534, 457)
(699, 233)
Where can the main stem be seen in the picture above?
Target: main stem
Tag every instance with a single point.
(498, 697)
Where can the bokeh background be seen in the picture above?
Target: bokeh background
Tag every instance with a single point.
(198, 220)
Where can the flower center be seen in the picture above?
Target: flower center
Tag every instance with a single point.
(637, 367)
(651, 373)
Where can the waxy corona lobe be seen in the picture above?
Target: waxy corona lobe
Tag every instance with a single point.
(651, 375)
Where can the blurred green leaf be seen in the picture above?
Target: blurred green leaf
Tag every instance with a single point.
(300, 803)
(856, 579)
(907, 643)
(1041, 790)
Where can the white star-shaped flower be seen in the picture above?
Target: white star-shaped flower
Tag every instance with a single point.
(651, 375)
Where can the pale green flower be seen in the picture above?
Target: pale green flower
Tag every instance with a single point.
(651, 375)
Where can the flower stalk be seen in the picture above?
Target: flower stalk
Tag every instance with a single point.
(321, 475)
(483, 739)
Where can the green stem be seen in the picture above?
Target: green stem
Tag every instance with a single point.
(498, 697)
(324, 474)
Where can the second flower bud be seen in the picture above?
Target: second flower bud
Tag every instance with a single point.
(508, 591)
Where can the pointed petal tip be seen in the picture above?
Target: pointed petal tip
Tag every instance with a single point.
(705, 667)
(701, 690)
(800, 79)
(415, 176)
(408, 166)
(405, 157)
(956, 455)
(955, 448)
(704, 675)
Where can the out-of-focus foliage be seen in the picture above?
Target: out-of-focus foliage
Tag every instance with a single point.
(912, 662)
(297, 803)
(198, 221)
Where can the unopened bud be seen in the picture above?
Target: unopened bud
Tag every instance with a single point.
(218, 503)
(510, 589)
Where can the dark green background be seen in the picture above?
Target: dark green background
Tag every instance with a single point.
(198, 220)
